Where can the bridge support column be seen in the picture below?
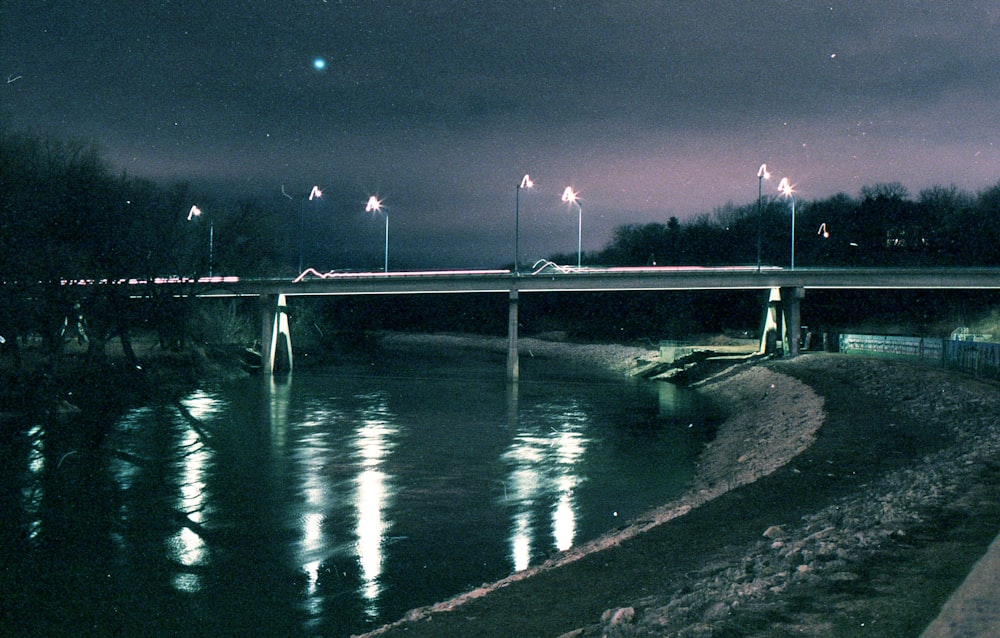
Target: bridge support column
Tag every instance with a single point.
(771, 324)
(790, 301)
(782, 317)
(275, 336)
(512, 351)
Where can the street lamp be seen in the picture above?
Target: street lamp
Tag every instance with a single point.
(315, 193)
(525, 183)
(785, 188)
(762, 174)
(374, 205)
(570, 197)
(196, 212)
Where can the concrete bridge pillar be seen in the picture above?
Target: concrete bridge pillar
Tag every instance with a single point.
(782, 318)
(790, 301)
(275, 336)
(772, 323)
(512, 351)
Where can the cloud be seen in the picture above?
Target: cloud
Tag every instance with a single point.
(648, 109)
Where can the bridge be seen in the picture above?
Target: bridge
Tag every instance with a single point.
(787, 289)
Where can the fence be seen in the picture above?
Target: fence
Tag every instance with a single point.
(978, 358)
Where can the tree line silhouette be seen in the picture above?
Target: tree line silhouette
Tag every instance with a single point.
(943, 226)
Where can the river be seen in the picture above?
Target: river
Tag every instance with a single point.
(333, 500)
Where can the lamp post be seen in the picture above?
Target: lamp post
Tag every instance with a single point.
(374, 205)
(570, 197)
(785, 188)
(196, 212)
(315, 193)
(762, 174)
(525, 183)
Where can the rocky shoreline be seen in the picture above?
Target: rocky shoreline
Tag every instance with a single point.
(836, 552)
(849, 497)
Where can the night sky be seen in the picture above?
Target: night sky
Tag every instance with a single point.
(648, 109)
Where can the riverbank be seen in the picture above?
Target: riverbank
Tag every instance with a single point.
(844, 496)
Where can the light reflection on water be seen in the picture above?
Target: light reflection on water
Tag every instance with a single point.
(543, 459)
(186, 546)
(33, 492)
(373, 442)
(354, 499)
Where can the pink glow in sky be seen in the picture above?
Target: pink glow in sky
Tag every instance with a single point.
(652, 109)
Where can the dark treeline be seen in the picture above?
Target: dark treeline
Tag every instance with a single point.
(943, 226)
(65, 213)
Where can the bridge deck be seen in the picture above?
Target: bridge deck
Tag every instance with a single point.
(609, 279)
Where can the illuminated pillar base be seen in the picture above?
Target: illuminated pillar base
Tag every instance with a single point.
(782, 317)
(772, 323)
(512, 352)
(275, 336)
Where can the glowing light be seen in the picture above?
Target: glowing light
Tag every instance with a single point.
(315, 193)
(823, 231)
(762, 174)
(194, 212)
(319, 64)
(570, 196)
(785, 187)
(374, 205)
(525, 183)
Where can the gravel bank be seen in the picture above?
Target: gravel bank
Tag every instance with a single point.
(845, 496)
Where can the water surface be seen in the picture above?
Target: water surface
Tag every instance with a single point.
(332, 501)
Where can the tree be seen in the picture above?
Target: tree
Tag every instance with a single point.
(827, 235)
(983, 229)
(250, 247)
